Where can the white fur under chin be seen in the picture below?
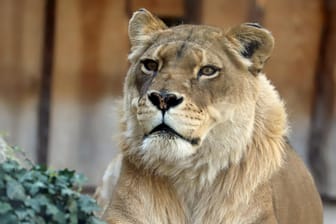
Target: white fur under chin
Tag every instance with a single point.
(167, 148)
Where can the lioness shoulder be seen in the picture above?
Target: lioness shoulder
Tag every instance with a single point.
(204, 132)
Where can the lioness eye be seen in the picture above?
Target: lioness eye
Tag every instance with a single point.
(149, 66)
(208, 70)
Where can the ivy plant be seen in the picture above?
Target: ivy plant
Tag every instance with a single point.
(40, 195)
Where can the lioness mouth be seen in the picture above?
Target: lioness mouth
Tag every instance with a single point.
(163, 128)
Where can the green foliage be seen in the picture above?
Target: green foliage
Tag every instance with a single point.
(39, 195)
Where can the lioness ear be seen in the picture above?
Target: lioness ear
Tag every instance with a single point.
(252, 42)
(142, 25)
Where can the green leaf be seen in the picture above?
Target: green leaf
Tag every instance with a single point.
(4, 207)
(51, 209)
(57, 215)
(72, 207)
(24, 213)
(34, 204)
(43, 199)
(66, 173)
(2, 183)
(9, 166)
(52, 189)
(36, 187)
(87, 204)
(28, 177)
(79, 179)
(73, 218)
(68, 192)
(37, 203)
(37, 220)
(15, 190)
(8, 219)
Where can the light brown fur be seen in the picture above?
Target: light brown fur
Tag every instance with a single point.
(230, 162)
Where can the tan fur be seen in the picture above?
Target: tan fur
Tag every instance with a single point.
(231, 162)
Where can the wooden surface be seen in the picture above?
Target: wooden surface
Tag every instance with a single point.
(43, 114)
(21, 30)
(90, 64)
(223, 13)
(322, 153)
(294, 61)
(164, 8)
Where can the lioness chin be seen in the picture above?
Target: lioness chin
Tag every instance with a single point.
(204, 132)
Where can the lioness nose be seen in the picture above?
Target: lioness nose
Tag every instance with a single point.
(163, 100)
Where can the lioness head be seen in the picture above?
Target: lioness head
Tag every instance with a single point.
(192, 88)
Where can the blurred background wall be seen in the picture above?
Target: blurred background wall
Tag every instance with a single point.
(62, 65)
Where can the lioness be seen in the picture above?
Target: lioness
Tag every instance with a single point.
(204, 132)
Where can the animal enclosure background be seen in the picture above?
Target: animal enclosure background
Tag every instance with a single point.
(62, 65)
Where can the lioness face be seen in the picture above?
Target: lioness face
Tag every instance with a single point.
(185, 81)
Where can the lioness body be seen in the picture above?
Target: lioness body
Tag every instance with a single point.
(204, 132)
(288, 197)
